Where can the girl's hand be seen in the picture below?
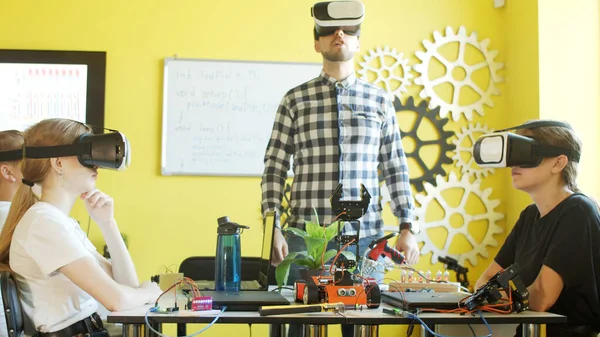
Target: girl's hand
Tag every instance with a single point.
(100, 206)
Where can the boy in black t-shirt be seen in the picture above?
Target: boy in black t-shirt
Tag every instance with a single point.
(556, 241)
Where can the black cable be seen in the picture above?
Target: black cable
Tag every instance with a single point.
(287, 288)
(473, 331)
(250, 328)
(410, 329)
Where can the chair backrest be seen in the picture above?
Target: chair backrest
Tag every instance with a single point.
(12, 305)
(203, 268)
(198, 267)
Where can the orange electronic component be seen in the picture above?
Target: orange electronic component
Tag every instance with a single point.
(324, 289)
(299, 290)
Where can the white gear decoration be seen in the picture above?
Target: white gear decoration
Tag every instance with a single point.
(435, 194)
(468, 167)
(431, 51)
(385, 194)
(386, 73)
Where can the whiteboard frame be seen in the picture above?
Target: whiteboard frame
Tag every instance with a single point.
(96, 74)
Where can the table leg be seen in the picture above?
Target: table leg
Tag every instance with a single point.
(531, 330)
(134, 330)
(313, 330)
(181, 329)
(366, 330)
(424, 332)
(141, 330)
(275, 330)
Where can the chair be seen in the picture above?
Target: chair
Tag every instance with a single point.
(203, 268)
(12, 305)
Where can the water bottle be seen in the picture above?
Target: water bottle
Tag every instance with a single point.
(228, 262)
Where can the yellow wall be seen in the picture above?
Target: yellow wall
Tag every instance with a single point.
(169, 218)
(570, 76)
(522, 86)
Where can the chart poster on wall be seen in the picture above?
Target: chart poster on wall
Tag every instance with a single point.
(35, 85)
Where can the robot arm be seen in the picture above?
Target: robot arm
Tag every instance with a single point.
(507, 280)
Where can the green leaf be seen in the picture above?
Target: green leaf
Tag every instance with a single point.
(314, 229)
(281, 272)
(297, 232)
(308, 262)
(330, 254)
(283, 269)
(331, 231)
(315, 247)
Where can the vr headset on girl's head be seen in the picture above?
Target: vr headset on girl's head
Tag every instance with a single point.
(108, 150)
(506, 149)
(333, 15)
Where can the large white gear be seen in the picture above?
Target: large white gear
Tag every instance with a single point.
(387, 73)
(435, 194)
(469, 167)
(431, 51)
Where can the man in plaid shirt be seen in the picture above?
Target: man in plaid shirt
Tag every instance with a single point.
(338, 129)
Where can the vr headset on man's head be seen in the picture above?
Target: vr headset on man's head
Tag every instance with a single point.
(108, 150)
(333, 15)
(506, 149)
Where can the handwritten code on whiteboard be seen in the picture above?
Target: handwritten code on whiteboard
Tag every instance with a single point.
(218, 115)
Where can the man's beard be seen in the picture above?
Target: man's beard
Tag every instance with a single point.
(338, 56)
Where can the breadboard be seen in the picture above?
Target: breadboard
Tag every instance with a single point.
(446, 287)
(165, 281)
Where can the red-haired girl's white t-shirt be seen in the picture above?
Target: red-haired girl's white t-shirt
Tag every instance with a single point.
(45, 240)
(4, 207)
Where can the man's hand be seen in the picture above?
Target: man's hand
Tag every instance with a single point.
(407, 243)
(280, 248)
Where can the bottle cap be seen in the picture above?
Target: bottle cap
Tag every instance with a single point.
(228, 227)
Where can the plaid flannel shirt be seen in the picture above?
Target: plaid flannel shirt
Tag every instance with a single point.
(337, 132)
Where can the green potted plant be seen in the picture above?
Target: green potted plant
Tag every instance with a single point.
(316, 238)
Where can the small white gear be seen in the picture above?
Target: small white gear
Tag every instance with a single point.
(387, 73)
(432, 51)
(435, 194)
(471, 133)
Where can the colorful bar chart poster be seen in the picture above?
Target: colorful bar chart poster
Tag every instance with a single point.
(31, 92)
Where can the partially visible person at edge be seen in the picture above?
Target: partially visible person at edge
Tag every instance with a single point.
(10, 179)
(60, 275)
(556, 241)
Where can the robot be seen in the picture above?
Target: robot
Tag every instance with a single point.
(507, 280)
(342, 286)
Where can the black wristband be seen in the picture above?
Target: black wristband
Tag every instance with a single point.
(407, 225)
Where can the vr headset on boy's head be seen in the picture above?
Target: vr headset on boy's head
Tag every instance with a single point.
(108, 150)
(506, 149)
(333, 15)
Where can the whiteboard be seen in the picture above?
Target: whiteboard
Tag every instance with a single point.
(218, 115)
